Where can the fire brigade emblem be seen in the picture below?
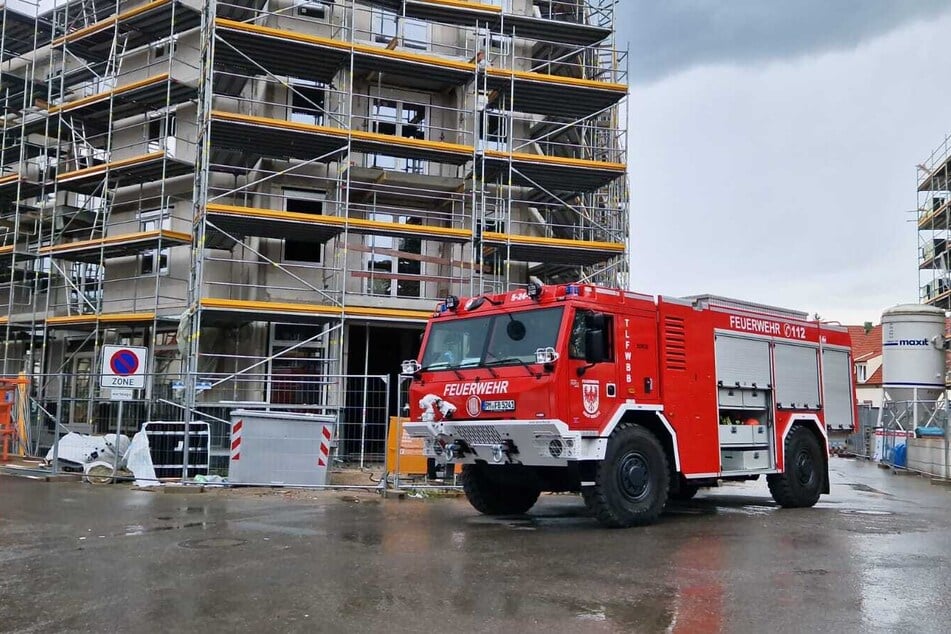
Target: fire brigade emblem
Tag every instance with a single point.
(591, 397)
(474, 406)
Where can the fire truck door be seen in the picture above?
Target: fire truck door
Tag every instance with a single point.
(637, 356)
(592, 391)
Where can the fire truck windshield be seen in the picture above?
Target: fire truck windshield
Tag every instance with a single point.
(493, 339)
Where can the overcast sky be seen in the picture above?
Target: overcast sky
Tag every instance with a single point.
(773, 147)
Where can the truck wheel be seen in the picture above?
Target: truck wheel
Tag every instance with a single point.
(800, 484)
(495, 494)
(632, 482)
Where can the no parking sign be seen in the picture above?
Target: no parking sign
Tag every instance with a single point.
(124, 366)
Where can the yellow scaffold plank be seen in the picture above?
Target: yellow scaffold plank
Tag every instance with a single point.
(340, 45)
(359, 135)
(339, 221)
(162, 234)
(469, 6)
(277, 308)
(103, 318)
(556, 160)
(557, 79)
(491, 236)
(105, 95)
(103, 168)
(108, 22)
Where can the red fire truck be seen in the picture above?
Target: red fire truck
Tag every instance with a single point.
(629, 399)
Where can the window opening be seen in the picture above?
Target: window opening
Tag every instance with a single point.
(307, 102)
(161, 134)
(155, 260)
(392, 257)
(297, 376)
(306, 202)
(394, 117)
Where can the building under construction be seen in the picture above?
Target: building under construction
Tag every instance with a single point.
(271, 194)
(934, 227)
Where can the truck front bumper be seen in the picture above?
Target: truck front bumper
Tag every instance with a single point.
(526, 442)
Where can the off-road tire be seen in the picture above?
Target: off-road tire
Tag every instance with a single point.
(801, 482)
(633, 480)
(494, 493)
(684, 493)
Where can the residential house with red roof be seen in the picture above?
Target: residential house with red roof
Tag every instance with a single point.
(867, 363)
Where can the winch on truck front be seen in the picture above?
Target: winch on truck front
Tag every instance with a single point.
(629, 399)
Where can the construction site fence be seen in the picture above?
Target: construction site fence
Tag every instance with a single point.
(913, 435)
(861, 441)
(360, 406)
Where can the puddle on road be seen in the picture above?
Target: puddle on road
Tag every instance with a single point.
(686, 508)
(144, 530)
(643, 614)
(534, 522)
(213, 542)
(365, 539)
(752, 509)
(879, 522)
(864, 488)
(513, 522)
(353, 499)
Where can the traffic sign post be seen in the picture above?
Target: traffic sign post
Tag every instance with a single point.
(123, 372)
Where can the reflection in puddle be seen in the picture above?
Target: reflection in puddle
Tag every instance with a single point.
(643, 613)
(366, 539)
(597, 615)
(142, 530)
(748, 510)
(213, 542)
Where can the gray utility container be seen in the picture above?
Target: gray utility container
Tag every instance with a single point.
(281, 448)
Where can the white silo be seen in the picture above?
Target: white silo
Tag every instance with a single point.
(913, 355)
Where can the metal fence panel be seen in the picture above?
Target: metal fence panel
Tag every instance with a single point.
(360, 405)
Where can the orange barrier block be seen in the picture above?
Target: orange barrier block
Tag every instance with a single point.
(408, 450)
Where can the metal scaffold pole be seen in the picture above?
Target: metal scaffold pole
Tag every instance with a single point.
(199, 203)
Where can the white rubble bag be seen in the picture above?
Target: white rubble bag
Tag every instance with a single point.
(96, 457)
(138, 460)
(76, 450)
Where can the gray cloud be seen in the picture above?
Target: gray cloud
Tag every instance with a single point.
(793, 183)
(667, 36)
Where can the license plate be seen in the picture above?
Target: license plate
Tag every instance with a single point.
(498, 406)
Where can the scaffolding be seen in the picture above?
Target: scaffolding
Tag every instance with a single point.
(241, 186)
(934, 225)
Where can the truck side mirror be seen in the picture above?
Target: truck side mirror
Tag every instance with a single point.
(594, 346)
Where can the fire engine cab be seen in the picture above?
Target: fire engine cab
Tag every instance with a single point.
(629, 399)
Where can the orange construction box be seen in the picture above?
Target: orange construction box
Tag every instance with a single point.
(410, 450)
(7, 430)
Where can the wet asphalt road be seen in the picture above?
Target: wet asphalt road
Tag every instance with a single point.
(874, 556)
